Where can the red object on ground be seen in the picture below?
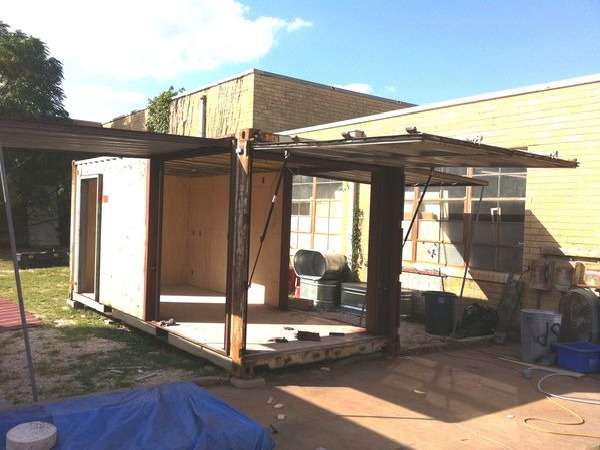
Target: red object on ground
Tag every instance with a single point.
(291, 280)
(10, 318)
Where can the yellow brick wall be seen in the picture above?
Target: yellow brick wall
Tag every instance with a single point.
(261, 100)
(134, 121)
(282, 103)
(563, 205)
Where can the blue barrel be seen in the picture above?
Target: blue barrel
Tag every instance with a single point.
(439, 312)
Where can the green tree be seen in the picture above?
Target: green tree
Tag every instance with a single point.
(30, 80)
(31, 88)
(159, 110)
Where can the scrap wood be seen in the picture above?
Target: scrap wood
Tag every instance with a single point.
(307, 336)
(146, 376)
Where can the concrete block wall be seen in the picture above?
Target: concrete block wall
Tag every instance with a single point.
(563, 205)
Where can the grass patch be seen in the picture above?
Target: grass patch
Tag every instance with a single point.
(80, 349)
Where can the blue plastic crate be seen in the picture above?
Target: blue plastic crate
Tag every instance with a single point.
(581, 357)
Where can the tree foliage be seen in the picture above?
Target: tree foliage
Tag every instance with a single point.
(159, 110)
(31, 88)
(30, 80)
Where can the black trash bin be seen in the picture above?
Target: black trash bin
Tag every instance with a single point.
(439, 312)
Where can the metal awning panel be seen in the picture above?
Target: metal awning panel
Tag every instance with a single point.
(76, 138)
(416, 150)
(220, 165)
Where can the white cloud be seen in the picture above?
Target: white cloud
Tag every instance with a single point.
(100, 102)
(297, 24)
(357, 87)
(118, 41)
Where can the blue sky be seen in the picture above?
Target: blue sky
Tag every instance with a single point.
(417, 51)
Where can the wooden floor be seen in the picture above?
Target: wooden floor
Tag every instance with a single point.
(200, 315)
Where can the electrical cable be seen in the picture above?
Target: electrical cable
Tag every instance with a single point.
(552, 397)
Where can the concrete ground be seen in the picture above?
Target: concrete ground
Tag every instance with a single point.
(465, 399)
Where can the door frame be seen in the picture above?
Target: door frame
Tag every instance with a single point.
(81, 227)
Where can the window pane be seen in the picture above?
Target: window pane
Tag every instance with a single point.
(485, 233)
(321, 242)
(451, 254)
(452, 231)
(293, 240)
(454, 192)
(294, 223)
(303, 191)
(483, 257)
(429, 230)
(304, 209)
(510, 260)
(335, 226)
(512, 210)
(491, 190)
(304, 224)
(452, 210)
(511, 233)
(328, 190)
(428, 252)
(512, 186)
(335, 244)
(335, 209)
(321, 225)
(323, 209)
(304, 241)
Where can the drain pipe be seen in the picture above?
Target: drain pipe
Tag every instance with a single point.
(203, 116)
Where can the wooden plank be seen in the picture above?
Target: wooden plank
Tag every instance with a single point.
(154, 239)
(201, 351)
(239, 250)
(385, 253)
(286, 223)
(90, 303)
(73, 234)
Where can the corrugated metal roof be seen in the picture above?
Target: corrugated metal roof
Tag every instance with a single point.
(70, 137)
(415, 150)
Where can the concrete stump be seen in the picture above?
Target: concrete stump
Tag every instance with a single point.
(31, 436)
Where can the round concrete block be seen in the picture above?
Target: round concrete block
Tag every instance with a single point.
(31, 436)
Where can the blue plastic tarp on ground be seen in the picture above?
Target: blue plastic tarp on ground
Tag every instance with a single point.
(169, 416)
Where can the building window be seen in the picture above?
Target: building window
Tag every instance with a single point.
(442, 228)
(317, 215)
(498, 237)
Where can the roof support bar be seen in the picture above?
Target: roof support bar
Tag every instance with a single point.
(13, 253)
(238, 253)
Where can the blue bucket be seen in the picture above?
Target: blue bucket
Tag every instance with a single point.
(581, 357)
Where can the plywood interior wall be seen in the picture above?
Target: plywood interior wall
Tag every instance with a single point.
(195, 226)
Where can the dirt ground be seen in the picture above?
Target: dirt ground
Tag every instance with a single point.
(66, 368)
(464, 399)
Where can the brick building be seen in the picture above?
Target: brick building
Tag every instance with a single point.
(262, 100)
(534, 222)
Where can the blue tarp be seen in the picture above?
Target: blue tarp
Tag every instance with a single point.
(169, 416)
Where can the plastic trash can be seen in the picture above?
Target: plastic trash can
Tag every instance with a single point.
(439, 312)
